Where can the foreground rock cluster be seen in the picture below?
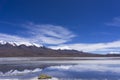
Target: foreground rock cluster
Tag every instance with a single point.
(43, 76)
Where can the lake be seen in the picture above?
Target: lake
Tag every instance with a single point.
(61, 68)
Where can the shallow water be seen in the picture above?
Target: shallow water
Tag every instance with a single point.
(72, 68)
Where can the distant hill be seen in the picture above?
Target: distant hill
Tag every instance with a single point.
(22, 50)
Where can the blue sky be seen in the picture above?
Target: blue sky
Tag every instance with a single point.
(87, 25)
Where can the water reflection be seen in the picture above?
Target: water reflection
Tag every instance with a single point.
(61, 69)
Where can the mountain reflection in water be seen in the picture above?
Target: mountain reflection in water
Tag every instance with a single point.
(62, 69)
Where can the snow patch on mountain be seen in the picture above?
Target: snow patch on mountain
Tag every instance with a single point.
(20, 43)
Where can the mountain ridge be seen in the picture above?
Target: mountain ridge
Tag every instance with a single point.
(13, 50)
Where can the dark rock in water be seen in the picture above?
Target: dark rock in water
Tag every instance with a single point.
(44, 76)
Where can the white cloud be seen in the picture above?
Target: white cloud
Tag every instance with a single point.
(114, 52)
(10, 38)
(49, 34)
(95, 47)
(50, 40)
(41, 34)
(115, 22)
(16, 39)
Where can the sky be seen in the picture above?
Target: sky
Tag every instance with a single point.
(84, 25)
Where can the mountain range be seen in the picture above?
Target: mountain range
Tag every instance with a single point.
(11, 49)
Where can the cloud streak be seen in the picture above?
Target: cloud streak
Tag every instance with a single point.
(115, 22)
(41, 34)
(95, 47)
(50, 34)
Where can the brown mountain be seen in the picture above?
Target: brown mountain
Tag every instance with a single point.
(9, 50)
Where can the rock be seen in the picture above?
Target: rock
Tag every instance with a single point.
(44, 76)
